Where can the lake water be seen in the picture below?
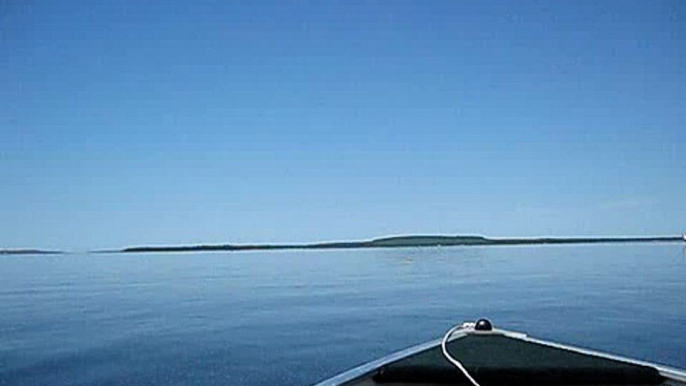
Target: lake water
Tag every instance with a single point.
(296, 317)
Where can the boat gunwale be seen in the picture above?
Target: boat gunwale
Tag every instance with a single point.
(356, 373)
(370, 367)
(666, 371)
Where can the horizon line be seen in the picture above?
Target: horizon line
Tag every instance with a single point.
(333, 241)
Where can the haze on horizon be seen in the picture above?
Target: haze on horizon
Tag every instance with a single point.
(128, 123)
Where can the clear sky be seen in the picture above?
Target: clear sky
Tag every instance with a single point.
(134, 122)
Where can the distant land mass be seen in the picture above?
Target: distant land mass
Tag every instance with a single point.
(405, 241)
(28, 252)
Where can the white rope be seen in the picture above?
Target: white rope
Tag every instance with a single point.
(452, 360)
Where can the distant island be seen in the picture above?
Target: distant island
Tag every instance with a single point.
(28, 252)
(405, 241)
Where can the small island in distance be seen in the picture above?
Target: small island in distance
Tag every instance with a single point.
(406, 241)
(28, 252)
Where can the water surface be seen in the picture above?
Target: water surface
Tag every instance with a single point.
(295, 317)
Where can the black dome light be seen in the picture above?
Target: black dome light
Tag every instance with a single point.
(483, 325)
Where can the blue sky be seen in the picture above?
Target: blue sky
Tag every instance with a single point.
(127, 123)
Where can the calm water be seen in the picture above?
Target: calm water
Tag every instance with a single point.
(293, 318)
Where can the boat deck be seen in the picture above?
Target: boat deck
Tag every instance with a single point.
(505, 359)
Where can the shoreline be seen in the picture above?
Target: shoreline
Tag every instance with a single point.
(29, 252)
(401, 242)
(407, 241)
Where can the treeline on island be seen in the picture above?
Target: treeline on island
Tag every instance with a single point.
(384, 242)
(28, 252)
(404, 241)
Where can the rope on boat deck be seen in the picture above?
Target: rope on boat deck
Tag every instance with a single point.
(450, 358)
